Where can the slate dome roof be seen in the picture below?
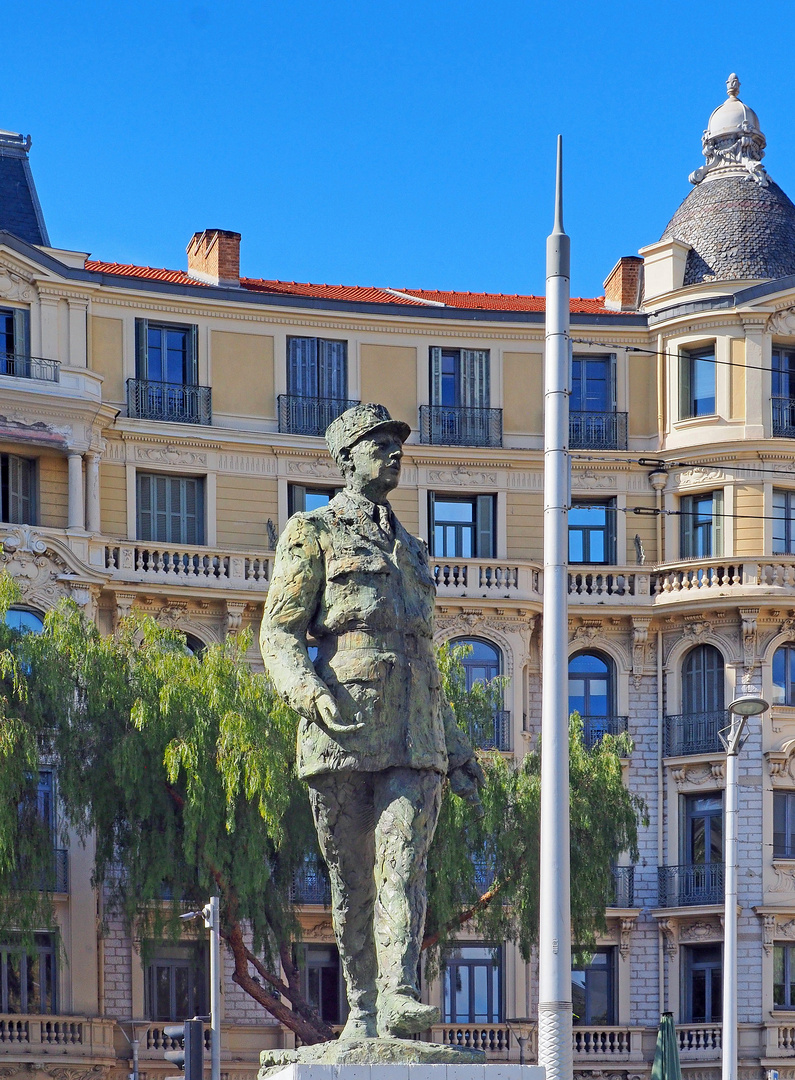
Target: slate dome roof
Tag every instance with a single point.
(737, 229)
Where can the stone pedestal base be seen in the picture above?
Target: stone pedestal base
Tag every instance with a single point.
(388, 1059)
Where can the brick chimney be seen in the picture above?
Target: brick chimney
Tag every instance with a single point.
(214, 257)
(624, 284)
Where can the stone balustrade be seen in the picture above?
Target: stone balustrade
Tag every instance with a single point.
(171, 564)
(69, 1036)
(490, 580)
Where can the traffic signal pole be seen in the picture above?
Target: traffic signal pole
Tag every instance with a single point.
(212, 921)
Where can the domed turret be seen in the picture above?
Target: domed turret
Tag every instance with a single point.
(738, 223)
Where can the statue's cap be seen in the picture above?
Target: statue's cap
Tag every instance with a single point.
(359, 421)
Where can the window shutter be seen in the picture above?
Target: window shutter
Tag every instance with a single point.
(193, 511)
(685, 394)
(332, 375)
(22, 332)
(717, 523)
(484, 521)
(436, 375)
(296, 499)
(612, 398)
(144, 525)
(20, 490)
(302, 367)
(141, 336)
(160, 493)
(177, 517)
(192, 358)
(686, 527)
(474, 378)
(432, 516)
(610, 533)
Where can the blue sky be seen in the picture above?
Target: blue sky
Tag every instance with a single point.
(407, 144)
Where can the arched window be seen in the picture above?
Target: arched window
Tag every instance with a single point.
(194, 644)
(592, 695)
(784, 675)
(481, 664)
(702, 680)
(28, 622)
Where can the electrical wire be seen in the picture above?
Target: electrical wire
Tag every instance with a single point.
(673, 356)
(659, 465)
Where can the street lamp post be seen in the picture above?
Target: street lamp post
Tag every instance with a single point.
(212, 921)
(733, 738)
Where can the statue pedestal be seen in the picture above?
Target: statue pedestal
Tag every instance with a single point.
(414, 1070)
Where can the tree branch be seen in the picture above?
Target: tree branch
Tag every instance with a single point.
(463, 917)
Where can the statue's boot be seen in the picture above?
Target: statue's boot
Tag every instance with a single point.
(406, 810)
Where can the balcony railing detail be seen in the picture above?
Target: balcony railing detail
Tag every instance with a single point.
(156, 1039)
(690, 884)
(447, 425)
(689, 578)
(783, 417)
(187, 566)
(694, 733)
(598, 430)
(58, 879)
(602, 1041)
(493, 734)
(493, 1038)
(29, 367)
(300, 415)
(62, 1035)
(699, 1038)
(623, 887)
(181, 403)
(594, 727)
(311, 885)
(601, 586)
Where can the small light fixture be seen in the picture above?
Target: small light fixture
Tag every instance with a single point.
(749, 705)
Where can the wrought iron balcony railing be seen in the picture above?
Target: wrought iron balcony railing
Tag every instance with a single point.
(181, 403)
(690, 884)
(311, 885)
(783, 417)
(694, 733)
(300, 415)
(594, 727)
(492, 734)
(623, 887)
(53, 878)
(29, 367)
(446, 425)
(598, 430)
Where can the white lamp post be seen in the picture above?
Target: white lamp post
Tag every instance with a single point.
(733, 738)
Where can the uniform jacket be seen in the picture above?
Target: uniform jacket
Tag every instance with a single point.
(365, 598)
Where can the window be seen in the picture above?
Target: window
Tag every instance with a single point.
(701, 525)
(593, 384)
(783, 379)
(170, 509)
(17, 490)
(165, 353)
(592, 532)
(317, 368)
(783, 522)
(175, 982)
(303, 498)
(482, 664)
(784, 824)
(460, 412)
(473, 985)
(702, 680)
(703, 829)
(27, 622)
(28, 978)
(784, 976)
(323, 983)
(784, 675)
(697, 383)
(461, 528)
(592, 695)
(14, 342)
(703, 969)
(592, 992)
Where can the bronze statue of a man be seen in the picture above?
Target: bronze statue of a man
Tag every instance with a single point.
(376, 738)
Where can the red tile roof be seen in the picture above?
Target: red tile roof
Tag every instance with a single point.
(362, 293)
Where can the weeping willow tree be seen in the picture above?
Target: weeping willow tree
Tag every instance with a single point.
(182, 767)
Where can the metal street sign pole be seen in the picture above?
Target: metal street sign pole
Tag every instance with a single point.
(554, 997)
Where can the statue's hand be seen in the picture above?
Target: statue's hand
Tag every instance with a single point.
(329, 716)
(466, 781)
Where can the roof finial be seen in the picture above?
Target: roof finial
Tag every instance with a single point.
(733, 85)
(733, 143)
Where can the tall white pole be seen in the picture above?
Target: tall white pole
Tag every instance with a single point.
(212, 920)
(729, 1033)
(554, 946)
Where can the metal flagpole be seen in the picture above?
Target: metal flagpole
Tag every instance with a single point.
(554, 948)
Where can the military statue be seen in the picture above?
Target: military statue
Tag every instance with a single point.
(376, 737)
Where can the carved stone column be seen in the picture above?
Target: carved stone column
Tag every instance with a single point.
(92, 493)
(76, 513)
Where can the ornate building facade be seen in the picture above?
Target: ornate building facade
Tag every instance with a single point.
(158, 427)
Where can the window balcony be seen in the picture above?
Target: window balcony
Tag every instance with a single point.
(76, 1037)
(597, 430)
(53, 878)
(182, 564)
(690, 884)
(19, 366)
(594, 727)
(783, 409)
(694, 733)
(179, 403)
(447, 425)
(623, 887)
(494, 734)
(311, 885)
(299, 415)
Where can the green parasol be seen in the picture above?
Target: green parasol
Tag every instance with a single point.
(666, 1056)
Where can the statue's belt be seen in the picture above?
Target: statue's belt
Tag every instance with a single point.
(380, 640)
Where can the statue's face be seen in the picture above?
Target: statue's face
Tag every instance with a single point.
(375, 460)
